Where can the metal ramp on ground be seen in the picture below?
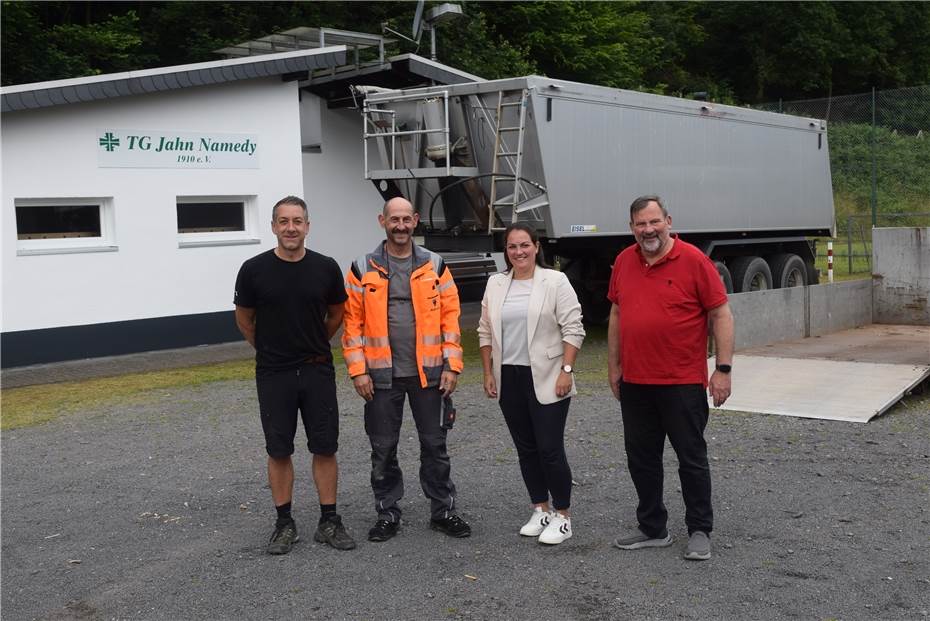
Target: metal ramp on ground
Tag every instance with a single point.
(853, 375)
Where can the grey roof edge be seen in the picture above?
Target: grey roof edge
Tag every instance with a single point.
(44, 94)
(436, 70)
(430, 69)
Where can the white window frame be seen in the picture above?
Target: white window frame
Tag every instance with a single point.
(222, 238)
(66, 245)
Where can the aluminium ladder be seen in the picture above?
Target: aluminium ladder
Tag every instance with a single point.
(512, 159)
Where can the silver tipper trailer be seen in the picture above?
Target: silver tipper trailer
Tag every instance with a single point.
(747, 187)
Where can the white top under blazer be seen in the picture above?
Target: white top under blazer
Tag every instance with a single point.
(553, 316)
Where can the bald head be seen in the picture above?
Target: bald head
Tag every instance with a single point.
(396, 205)
(399, 221)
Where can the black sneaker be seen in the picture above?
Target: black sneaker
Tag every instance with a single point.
(454, 526)
(333, 533)
(383, 530)
(283, 538)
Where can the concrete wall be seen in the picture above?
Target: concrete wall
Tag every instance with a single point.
(840, 306)
(764, 317)
(898, 294)
(901, 275)
(776, 315)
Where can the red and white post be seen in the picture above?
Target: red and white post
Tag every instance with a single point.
(830, 261)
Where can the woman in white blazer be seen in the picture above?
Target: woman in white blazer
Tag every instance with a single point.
(530, 332)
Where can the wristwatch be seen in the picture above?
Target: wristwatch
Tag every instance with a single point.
(725, 368)
(567, 368)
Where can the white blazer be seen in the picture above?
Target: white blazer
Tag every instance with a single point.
(554, 316)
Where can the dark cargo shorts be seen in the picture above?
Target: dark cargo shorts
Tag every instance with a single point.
(310, 389)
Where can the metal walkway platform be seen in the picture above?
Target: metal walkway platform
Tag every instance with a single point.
(853, 375)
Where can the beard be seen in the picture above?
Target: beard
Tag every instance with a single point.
(651, 244)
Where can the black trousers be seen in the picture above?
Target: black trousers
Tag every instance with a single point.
(383, 417)
(650, 413)
(538, 432)
(311, 389)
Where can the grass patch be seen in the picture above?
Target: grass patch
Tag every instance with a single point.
(33, 405)
(861, 260)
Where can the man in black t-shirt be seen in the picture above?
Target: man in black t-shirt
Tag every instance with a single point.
(289, 303)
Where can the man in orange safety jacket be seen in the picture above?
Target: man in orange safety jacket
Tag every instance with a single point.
(400, 341)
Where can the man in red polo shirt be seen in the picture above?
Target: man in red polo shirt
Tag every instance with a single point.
(664, 291)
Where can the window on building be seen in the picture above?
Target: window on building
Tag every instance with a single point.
(216, 220)
(57, 221)
(211, 217)
(57, 225)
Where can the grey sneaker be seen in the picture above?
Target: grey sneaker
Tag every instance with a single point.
(283, 538)
(332, 532)
(698, 548)
(638, 539)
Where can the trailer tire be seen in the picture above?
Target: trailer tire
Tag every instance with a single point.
(725, 275)
(813, 274)
(750, 274)
(595, 307)
(788, 270)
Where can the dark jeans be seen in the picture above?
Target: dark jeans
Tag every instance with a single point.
(538, 432)
(383, 417)
(650, 413)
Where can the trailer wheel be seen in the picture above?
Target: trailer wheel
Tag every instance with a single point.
(813, 274)
(788, 270)
(750, 274)
(725, 276)
(591, 288)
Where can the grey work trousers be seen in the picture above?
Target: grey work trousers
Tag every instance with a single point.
(383, 418)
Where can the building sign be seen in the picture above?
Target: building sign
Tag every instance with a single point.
(140, 148)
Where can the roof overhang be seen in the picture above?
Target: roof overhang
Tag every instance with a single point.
(398, 72)
(293, 65)
(303, 38)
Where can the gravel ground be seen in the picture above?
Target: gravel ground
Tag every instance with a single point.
(158, 508)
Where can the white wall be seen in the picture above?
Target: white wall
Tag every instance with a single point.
(52, 153)
(344, 206)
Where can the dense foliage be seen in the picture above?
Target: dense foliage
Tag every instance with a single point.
(737, 52)
(902, 160)
(743, 52)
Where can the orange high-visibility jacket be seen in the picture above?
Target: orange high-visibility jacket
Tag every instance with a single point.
(435, 299)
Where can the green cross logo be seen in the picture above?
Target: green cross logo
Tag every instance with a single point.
(109, 141)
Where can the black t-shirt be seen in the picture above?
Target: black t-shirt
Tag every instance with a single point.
(290, 299)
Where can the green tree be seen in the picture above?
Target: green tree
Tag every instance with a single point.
(35, 51)
(607, 43)
(744, 52)
(472, 47)
(888, 45)
(792, 50)
(901, 165)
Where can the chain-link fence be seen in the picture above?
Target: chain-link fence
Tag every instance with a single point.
(880, 162)
(852, 249)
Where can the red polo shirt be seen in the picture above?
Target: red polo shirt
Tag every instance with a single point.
(663, 314)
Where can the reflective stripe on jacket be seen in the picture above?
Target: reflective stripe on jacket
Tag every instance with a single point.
(435, 299)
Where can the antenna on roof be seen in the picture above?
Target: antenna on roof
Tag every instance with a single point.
(435, 16)
(417, 17)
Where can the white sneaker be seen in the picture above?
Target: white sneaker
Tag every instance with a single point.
(558, 530)
(536, 524)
